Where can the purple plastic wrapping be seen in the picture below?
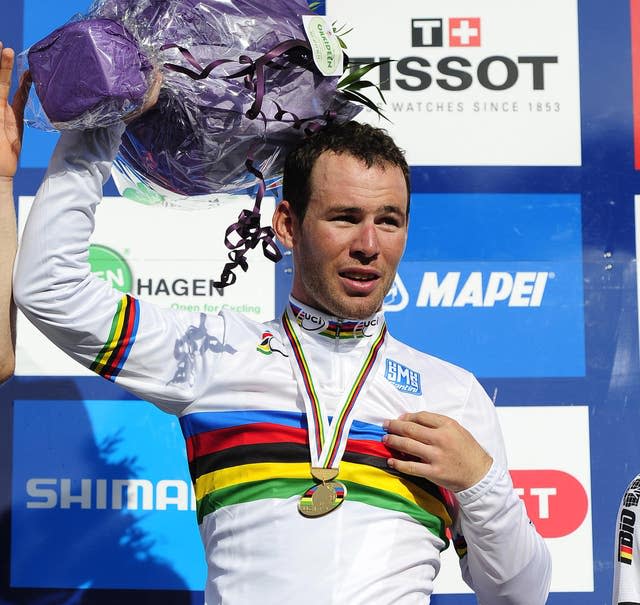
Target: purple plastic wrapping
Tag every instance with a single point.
(111, 82)
(197, 139)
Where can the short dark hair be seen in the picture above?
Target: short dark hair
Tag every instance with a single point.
(371, 145)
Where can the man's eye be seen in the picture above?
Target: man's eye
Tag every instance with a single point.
(346, 218)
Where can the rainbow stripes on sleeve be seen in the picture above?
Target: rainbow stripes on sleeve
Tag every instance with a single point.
(243, 456)
(122, 335)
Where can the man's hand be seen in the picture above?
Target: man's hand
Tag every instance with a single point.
(441, 450)
(10, 115)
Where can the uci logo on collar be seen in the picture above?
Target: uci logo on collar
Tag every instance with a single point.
(403, 378)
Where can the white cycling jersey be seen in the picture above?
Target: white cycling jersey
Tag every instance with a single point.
(231, 383)
(626, 565)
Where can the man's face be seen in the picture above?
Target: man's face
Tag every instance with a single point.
(350, 242)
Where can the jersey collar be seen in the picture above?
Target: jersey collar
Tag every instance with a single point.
(313, 321)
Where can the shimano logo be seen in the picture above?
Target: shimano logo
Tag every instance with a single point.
(114, 494)
(518, 289)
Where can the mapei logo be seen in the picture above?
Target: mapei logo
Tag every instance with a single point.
(462, 31)
(403, 378)
(518, 289)
(477, 289)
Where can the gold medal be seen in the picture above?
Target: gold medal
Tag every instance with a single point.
(322, 498)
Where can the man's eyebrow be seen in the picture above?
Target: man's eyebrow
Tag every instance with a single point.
(381, 209)
(394, 209)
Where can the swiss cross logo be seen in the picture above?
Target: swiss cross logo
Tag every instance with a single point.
(430, 32)
(464, 31)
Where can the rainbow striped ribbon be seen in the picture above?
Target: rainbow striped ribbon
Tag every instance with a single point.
(327, 441)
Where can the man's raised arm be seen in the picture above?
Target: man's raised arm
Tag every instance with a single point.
(154, 352)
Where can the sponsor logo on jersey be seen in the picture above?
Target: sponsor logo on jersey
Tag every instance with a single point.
(403, 378)
(625, 536)
(266, 346)
(627, 522)
(310, 321)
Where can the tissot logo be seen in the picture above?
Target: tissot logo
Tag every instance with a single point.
(497, 71)
(462, 31)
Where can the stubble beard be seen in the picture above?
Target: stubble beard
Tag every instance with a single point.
(327, 299)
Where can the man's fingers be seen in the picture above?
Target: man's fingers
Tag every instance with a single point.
(6, 66)
(407, 445)
(409, 467)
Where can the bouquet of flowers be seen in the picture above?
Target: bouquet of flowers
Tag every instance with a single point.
(241, 82)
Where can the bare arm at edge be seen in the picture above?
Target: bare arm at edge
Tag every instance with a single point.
(10, 144)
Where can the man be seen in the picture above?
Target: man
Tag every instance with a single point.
(626, 568)
(319, 475)
(10, 141)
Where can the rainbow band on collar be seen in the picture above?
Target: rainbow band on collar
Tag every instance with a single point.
(334, 329)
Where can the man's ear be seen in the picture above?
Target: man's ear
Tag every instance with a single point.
(285, 224)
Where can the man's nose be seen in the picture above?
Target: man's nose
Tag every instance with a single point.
(366, 243)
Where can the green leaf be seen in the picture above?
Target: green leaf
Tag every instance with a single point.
(358, 73)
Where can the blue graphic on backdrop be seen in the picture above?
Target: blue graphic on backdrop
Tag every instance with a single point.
(41, 17)
(518, 312)
(117, 488)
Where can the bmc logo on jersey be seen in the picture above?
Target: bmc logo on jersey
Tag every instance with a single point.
(461, 31)
(403, 378)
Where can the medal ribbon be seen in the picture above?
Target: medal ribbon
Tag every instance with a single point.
(328, 441)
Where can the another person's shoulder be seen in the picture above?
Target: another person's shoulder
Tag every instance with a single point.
(631, 496)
